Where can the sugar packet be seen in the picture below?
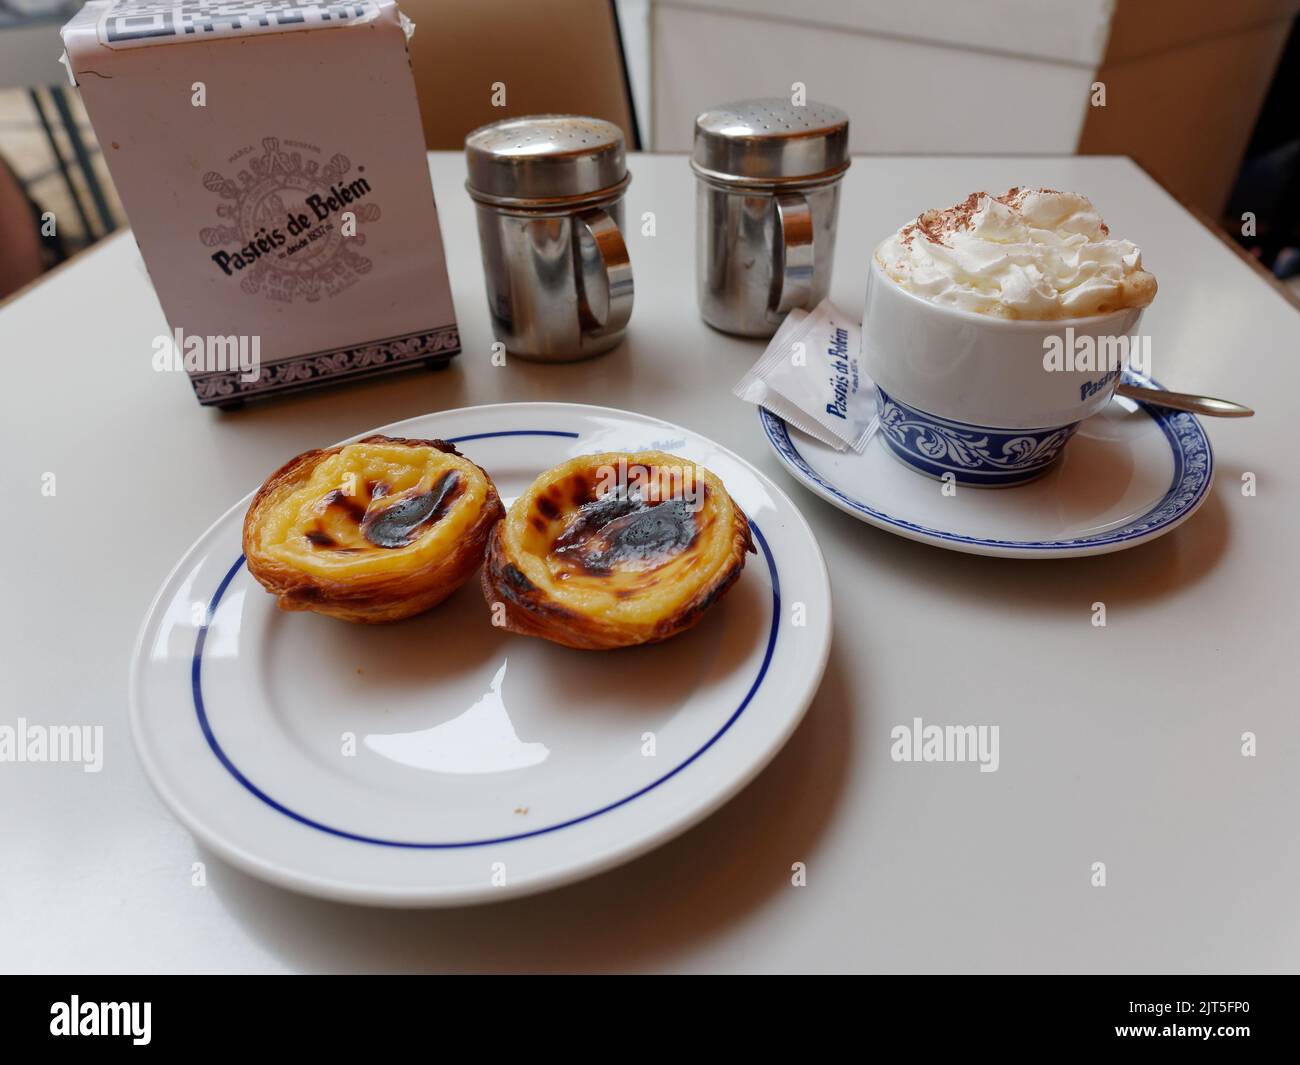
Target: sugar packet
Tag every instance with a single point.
(811, 376)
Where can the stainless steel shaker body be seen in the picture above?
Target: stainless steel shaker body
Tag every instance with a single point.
(549, 196)
(767, 199)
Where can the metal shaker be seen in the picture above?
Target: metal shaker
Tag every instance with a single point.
(767, 197)
(549, 196)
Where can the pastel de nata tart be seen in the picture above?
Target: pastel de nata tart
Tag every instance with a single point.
(615, 549)
(373, 531)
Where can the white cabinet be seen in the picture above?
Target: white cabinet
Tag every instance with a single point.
(1184, 81)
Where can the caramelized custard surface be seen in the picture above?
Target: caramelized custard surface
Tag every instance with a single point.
(372, 507)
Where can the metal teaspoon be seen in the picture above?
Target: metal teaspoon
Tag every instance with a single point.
(1208, 405)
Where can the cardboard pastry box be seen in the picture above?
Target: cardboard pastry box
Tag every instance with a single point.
(271, 162)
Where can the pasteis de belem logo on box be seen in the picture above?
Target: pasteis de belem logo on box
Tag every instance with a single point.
(291, 226)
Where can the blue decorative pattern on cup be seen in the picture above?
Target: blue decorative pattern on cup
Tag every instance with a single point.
(974, 455)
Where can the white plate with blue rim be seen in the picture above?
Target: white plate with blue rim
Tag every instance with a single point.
(442, 761)
(1129, 475)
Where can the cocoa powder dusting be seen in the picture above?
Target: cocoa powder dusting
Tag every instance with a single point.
(936, 226)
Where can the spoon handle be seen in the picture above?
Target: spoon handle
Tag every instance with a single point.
(1208, 405)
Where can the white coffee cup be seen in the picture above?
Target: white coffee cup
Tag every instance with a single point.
(991, 400)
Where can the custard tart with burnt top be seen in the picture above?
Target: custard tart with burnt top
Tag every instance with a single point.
(377, 530)
(615, 549)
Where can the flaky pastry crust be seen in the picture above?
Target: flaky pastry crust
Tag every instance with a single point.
(614, 550)
(373, 531)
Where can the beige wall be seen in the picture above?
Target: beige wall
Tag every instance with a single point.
(1184, 85)
(558, 56)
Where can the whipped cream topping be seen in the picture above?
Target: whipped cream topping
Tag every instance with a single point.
(1029, 253)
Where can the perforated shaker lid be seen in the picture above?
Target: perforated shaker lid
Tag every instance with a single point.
(771, 140)
(544, 158)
